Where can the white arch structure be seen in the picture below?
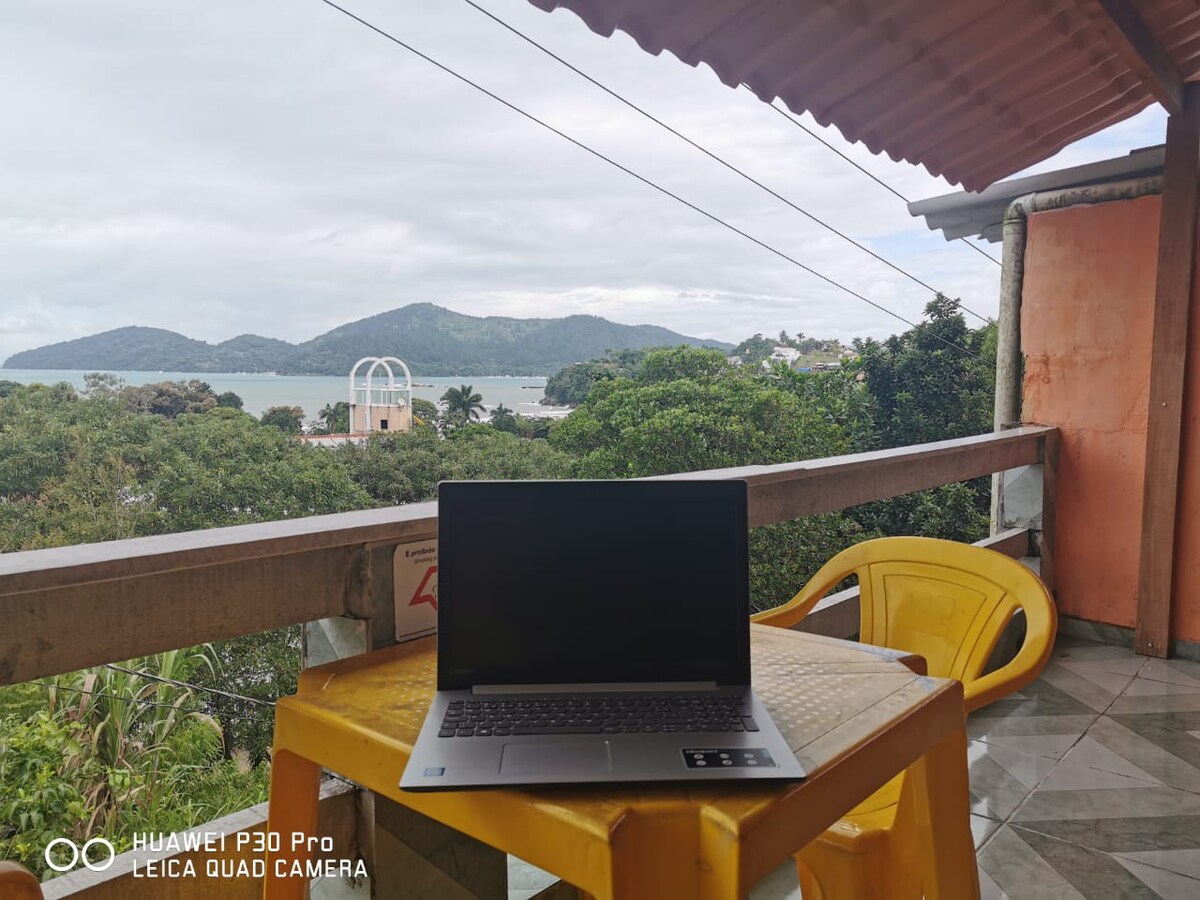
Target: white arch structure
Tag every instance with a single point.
(389, 392)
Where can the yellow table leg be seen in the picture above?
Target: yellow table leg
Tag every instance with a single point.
(292, 814)
(942, 808)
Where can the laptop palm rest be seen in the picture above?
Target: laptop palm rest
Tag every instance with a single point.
(556, 757)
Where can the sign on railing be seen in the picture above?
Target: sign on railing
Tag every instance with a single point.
(416, 580)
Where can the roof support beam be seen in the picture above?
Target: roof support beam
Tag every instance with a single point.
(1168, 365)
(1128, 34)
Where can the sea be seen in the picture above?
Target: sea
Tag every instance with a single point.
(260, 391)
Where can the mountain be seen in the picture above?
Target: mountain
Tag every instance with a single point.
(431, 340)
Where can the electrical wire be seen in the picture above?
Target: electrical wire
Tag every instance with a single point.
(879, 181)
(713, 156)
(188, 684)
(646, 181)
(120, 699)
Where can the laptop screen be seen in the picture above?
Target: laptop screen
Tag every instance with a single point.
(592, 581)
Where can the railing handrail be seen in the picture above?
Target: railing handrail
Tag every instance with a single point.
(66, 608)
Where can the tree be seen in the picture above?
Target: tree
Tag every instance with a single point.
(335, 419)
(287, 419)
(425, 412)
(688, 410)
(230, 400)
(462, 404)
(503, 419)
(169, 399)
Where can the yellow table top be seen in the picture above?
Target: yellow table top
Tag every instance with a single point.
(854, 715)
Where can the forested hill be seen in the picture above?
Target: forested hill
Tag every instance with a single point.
(433, 341)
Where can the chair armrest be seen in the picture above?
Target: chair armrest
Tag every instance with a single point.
(1041, 626)
(826, 579)
(17, 883)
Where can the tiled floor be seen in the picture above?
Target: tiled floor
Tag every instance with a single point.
(1086, 786)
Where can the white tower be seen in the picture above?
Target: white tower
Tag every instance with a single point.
(375, 406)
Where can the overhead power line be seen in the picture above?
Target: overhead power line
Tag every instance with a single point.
(713, 156)
(139, 700)
(646, 181)
(188, 684)
(879, 181)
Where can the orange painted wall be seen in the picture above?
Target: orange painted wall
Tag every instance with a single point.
(1086, 315)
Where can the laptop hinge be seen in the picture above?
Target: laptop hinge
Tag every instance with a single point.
(641, 687)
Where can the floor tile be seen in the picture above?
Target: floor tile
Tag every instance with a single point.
(1027, 768)
(982, 828)
(782, 884)
(1020, 872)
(1111, 675)
(1164, 884)
(1165, 703)
(1125, 835)
(1147, 802)
(1095, 875)
(1089, 765)
(994, 792)
(1171, 764)
(983, 727)
(1173, 671)
(988, 889)
(1147, 687)
(1181, 862)
(1084, 690)
(1047, 746)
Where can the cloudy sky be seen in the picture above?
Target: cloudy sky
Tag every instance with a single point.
(224, 167)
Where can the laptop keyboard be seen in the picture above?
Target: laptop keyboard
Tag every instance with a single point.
(595, 714)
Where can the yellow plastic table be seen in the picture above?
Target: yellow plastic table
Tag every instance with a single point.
(855, 716)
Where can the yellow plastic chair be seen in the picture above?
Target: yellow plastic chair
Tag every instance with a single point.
(949, 603)
(17, 883)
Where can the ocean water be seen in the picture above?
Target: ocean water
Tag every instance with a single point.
(311, 392)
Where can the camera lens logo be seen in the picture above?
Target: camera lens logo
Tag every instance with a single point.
(79, 854)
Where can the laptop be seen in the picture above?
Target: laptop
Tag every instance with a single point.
(591, 632)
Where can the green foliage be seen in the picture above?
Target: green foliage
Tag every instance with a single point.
(335, 419)
(230, 400)
(570, 385)
(503, 419)
(690, 411)
(404, 468)
(259, 666)
(426, 411)
(463, 405)
(288, 419)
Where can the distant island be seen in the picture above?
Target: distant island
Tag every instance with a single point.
(432, 340)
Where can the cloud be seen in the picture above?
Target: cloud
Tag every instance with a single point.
(218, 168)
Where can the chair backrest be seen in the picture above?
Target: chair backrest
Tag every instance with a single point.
(946, 601)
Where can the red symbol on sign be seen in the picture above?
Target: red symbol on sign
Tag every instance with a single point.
(422, 595)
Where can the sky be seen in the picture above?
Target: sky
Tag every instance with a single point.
(220, 167)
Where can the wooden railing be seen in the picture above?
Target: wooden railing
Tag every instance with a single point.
(68, 608)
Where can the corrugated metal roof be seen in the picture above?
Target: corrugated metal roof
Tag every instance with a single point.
(967, 213)
(972, 89)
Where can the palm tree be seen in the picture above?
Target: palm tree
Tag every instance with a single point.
(462, 403)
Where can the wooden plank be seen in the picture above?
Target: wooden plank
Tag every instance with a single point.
(51, 631)
(1050, 462)
(1168, 362)
(1128, 34)
(780, 493)
(31, 570)
(335, 819)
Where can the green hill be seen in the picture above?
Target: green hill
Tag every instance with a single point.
(433, 341)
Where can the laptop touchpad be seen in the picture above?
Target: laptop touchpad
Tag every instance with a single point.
(556, 758)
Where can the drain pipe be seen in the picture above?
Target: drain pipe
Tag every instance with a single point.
(1007, 410)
